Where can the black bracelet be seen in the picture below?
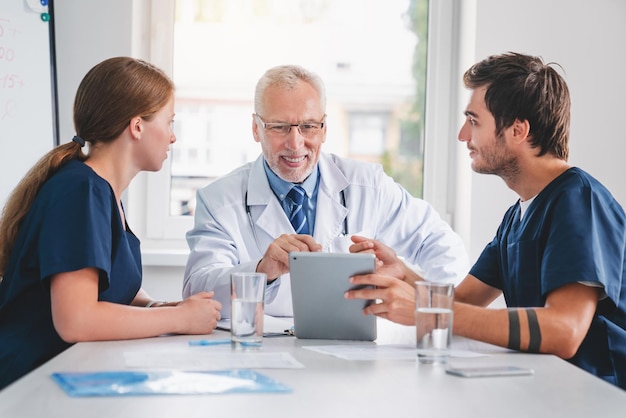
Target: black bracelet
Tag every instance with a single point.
(514, 330)
(534, 331)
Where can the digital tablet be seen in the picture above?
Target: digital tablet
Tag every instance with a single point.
(318, 283)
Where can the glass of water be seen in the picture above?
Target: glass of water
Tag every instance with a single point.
(433, 321)
(247, 296)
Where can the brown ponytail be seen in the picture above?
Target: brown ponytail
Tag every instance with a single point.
(22, 197)
(109, 96)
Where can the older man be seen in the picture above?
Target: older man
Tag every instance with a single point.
(294, 197)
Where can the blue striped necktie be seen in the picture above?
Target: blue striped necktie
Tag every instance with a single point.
(297, 217)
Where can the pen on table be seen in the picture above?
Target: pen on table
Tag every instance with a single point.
(275, 334)
(209, 342)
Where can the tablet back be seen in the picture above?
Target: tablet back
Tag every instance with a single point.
(318, 282)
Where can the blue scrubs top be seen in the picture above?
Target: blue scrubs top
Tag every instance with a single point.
(74, 223)
(573, 231)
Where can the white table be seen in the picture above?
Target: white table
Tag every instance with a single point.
(328, 387)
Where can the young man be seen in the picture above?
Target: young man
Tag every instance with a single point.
(242, 220)
(558, 255)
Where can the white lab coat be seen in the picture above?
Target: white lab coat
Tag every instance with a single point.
(223, 238)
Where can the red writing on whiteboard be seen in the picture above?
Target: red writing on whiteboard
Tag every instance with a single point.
(9, 109)
(11, 81)
(7, 30)
(7, 54)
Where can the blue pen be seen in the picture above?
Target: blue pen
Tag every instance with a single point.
(209, 342)
(222, 342)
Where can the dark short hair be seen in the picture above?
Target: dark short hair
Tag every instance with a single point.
(522, 87)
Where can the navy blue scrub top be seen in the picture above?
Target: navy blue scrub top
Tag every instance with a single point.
(74, 223)
(573, 231)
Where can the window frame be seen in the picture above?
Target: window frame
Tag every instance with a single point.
(445, 176)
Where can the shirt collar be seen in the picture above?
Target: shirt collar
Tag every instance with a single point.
(281, 187)
(524, 205)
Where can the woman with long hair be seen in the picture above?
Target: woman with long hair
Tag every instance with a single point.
(70, 267)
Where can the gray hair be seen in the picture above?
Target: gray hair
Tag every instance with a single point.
(287, 77)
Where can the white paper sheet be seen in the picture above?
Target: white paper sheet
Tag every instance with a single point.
(368, 351)
(209, 358)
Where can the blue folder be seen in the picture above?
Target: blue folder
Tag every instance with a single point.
(134, 383)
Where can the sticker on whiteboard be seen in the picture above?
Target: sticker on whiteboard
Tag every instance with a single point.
(37, 6)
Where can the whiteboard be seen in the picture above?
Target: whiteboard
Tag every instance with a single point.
(28, 109)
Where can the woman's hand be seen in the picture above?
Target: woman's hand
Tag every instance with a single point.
(200, 313)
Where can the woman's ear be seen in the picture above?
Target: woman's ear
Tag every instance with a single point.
(136, 127)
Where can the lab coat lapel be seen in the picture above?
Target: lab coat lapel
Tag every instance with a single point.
(266, 211)
(273, 219)
(330, 211)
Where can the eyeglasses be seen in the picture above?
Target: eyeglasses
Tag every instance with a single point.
(281, 129)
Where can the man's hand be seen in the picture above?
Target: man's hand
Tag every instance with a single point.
(387, 262)
(275, 261)
(395, 298)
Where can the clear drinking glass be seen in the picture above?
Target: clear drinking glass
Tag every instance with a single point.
(433, 321)
(247, 296)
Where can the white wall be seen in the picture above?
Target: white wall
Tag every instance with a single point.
(585, 37)
(87, 32)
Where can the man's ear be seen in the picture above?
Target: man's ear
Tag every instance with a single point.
(520, 130)
(255, 129)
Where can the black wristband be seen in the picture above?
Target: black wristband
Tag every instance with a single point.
(534, 331)
(514, 330)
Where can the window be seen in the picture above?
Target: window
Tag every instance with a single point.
(370, 53)
(367, 131)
